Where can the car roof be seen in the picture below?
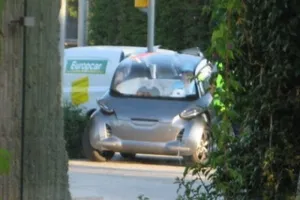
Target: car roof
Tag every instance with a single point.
(128, 50)
(89, 49)
(187, 62)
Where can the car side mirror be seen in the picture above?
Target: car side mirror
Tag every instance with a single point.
(204, 70)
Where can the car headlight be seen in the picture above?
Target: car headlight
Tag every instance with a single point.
(104, 108)
(191, 112)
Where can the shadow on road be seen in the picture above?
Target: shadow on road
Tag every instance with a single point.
(150, 160)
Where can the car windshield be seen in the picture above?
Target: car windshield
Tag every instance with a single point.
(157, 76)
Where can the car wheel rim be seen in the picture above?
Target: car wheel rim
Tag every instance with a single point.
(203, 148)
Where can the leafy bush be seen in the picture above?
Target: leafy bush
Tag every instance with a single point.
(74, 125)
(126, 25)
(258, 42)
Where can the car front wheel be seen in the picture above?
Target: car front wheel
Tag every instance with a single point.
(91, 153)
(203, 150)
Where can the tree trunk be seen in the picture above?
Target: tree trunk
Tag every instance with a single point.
(11, 63)
(46, 160)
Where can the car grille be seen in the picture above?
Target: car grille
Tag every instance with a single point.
(180, 135)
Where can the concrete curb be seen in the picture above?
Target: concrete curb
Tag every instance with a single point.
(89, 198)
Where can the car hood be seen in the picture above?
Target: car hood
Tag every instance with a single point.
(146, 109)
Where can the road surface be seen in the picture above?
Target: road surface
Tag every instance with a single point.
(119, 179)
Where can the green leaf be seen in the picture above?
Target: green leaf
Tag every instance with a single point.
(230, 54)
(1, 5)
(217, 34)
(186, 171)
(219, 81)
(4, 161)
(221, 48)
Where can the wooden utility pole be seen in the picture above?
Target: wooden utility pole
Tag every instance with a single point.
(31, 117)
(11, 69)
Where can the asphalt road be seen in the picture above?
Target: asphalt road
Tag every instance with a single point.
(119, 179)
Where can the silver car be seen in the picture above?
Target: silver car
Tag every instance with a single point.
(155, 105)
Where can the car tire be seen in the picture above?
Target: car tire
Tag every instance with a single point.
(91, 153)
(201, 156)
(130, 156)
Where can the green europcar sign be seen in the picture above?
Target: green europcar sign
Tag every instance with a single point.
(86, 66)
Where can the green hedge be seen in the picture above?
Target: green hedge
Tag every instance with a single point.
(178, 24)
(74, 124)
